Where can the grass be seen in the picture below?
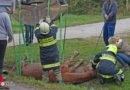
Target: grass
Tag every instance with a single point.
(85, 47)
(72, 20)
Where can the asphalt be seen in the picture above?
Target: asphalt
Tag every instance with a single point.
(85, 31)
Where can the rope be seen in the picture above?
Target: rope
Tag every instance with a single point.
(64, 35)
(48, 13)
(15, 56)
(61, 42)
(20, 57)
(25, 48)
(31, 45)
(96, 46)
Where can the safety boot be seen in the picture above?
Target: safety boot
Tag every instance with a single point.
(101, 79)
(125, 67)
(57, 72)
(119, 79)
(45, 76)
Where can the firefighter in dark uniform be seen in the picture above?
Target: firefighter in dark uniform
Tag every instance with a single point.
(46, 35)
(105, 63)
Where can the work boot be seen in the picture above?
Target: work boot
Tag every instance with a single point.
(119, 79)
(101, 79)
(45, 76)
(57, 72)
(125, 67)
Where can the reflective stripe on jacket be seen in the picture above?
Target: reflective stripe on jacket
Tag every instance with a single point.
(47, 41)
(51, 65)
(108, 57)
(105, 55)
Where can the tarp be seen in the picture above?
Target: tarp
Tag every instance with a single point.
(8, 3)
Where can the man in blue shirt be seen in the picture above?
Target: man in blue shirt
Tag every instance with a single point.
(109, 13)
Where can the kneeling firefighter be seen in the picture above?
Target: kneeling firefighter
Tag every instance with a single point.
(105, 63)
(46, 35)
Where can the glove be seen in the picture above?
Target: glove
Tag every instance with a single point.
(41, 20)
(94, 67)
(48, 19)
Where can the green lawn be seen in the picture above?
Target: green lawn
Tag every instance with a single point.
(72, 20)
(85, 47)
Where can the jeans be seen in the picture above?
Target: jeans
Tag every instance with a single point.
(108, 31)
(123, 59)
(3, 44)
(29, 34)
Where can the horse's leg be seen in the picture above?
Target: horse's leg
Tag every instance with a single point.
(68, 61)
(65, 65)
(72, 68)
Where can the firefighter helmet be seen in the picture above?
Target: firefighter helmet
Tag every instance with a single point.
(112, 48)
(44, 28)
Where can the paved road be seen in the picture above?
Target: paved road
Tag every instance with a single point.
(87, 30)
(20, 86)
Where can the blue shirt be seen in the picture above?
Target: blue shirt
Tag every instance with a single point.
(111, 10)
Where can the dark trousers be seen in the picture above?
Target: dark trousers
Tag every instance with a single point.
(123, 58)
(3, 44)
(108, 31)
(107, 67)
(29, 34)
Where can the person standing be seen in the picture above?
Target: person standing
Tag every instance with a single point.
(5, 30)
(49, 55)
(109, 13)
(29, 34)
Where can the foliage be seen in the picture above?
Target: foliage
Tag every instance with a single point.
(93, 6)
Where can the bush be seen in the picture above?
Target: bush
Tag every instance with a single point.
(93, 6)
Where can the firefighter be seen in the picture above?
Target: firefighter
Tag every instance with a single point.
(46, 35)
(105, 63)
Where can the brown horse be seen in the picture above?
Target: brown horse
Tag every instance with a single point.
(69, 74)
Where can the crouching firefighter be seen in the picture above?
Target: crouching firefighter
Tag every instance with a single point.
(105, 63)
(46, 35)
